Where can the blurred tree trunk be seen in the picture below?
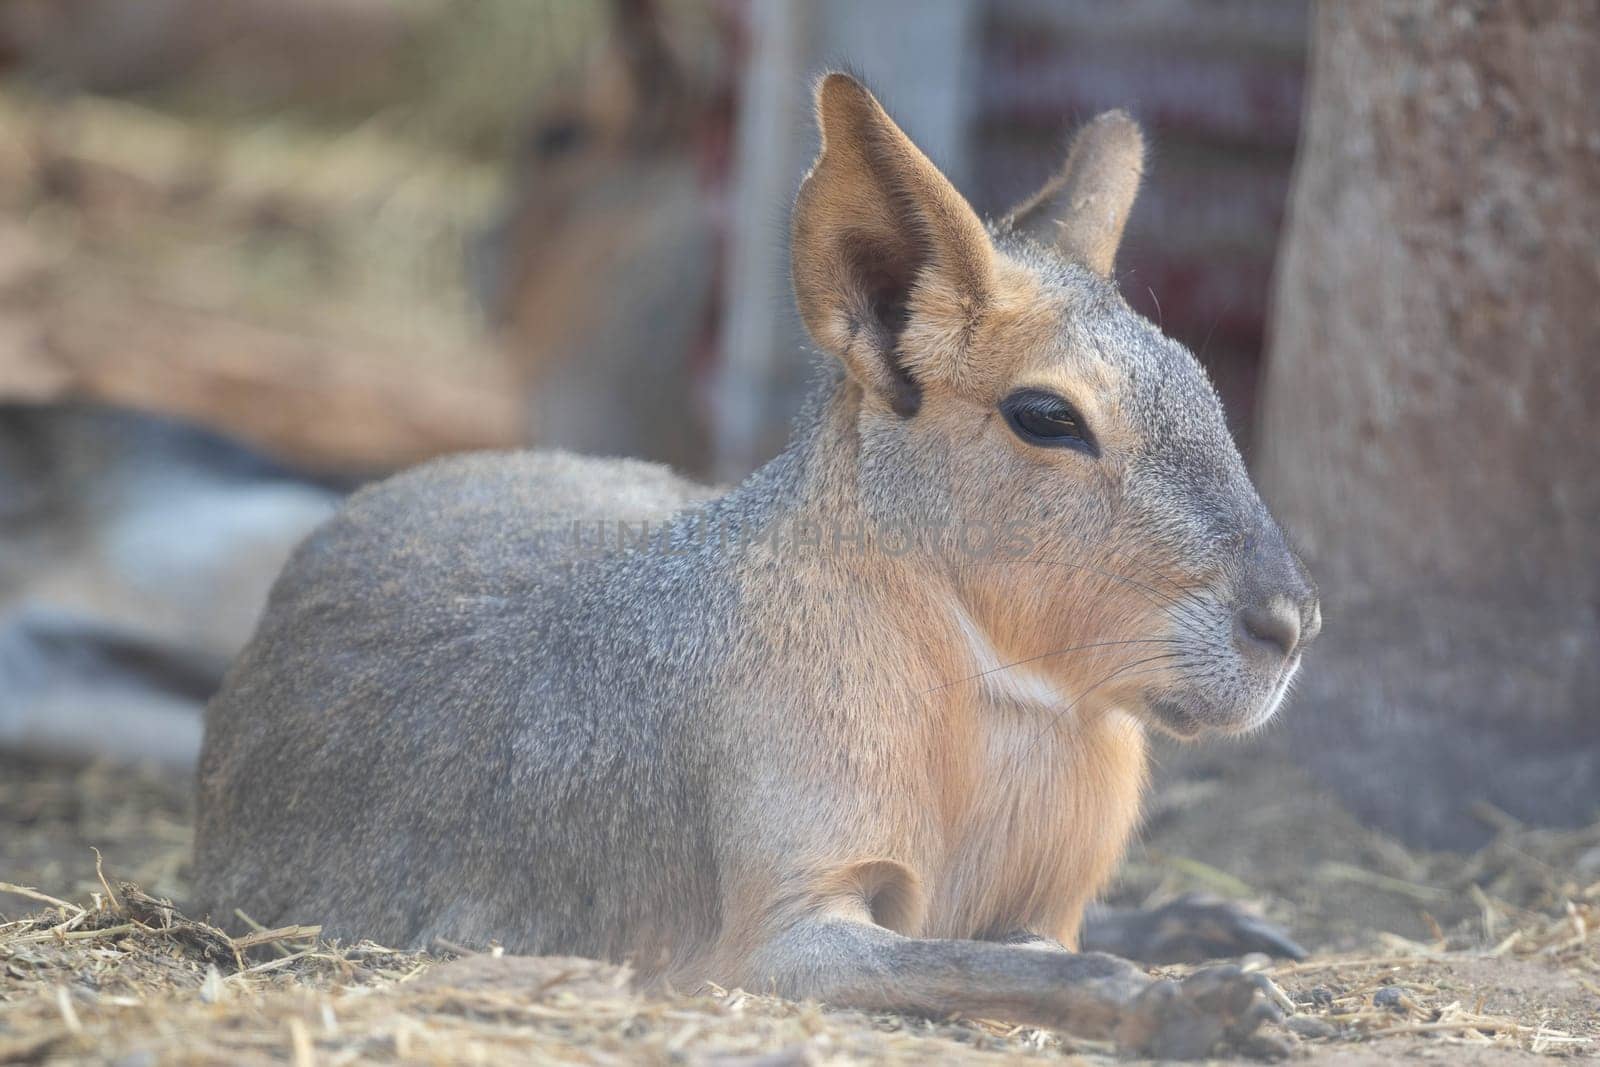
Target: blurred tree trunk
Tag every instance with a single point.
(920, 56)
(1429, 414)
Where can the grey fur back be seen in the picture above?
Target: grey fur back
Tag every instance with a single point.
(430, 699)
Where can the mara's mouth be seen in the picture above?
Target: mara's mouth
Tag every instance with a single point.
(1190, 715)
(1280, 690)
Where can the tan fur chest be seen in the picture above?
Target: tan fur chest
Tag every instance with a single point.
(1040, 812)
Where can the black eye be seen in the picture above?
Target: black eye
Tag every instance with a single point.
(1045, 419)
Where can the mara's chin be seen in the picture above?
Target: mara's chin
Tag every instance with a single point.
(1190, 715)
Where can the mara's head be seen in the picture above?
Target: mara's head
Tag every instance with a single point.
(1109, 542)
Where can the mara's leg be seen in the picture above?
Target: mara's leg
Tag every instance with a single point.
(848, 962)
(1192, 928)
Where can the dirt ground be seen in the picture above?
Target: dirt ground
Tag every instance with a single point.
(1488, 958)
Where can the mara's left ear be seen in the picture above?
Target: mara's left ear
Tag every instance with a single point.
(880, 235)
(1085, 206)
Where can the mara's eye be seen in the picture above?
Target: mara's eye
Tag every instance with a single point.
(1045, 419)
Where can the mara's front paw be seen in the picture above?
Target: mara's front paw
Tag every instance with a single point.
(1197, 927)
(1215, 1007)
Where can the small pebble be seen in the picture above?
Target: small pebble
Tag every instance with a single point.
(1391, 997)
(1322, 996)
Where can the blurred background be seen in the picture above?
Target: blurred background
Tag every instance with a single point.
(256, 252)
(345, 236)
(357, 233)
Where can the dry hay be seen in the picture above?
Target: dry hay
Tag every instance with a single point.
(1508, 966)
(129, 979)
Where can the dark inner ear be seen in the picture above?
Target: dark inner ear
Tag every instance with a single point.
(884, 276)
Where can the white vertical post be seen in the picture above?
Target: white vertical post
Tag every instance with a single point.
(766, 165)
(919, 54)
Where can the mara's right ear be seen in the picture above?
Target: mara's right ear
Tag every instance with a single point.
(1083, 209)
(880, 234)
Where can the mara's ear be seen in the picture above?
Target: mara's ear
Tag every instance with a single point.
(1085, 206)
(879, 234)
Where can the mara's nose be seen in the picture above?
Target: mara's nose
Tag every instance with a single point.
(1275, 625)
(1278, 610)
